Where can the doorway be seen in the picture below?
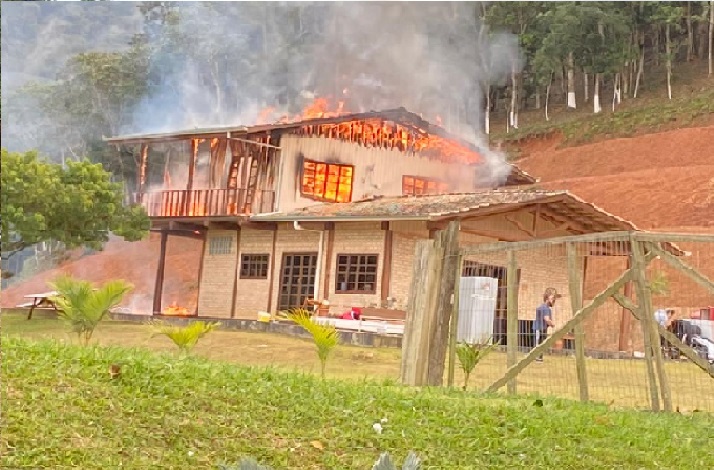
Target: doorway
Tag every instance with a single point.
(297, 279)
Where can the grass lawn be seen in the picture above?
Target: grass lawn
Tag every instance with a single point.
(620, 383)
(61, 409)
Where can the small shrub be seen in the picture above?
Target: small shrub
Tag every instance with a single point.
(470, 354)
(659, 284)
(324, 336)
(184, 337)
(82, 306)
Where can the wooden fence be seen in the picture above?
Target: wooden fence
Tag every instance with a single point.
(430, 336)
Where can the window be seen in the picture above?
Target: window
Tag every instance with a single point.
(254, 266)
(356, 274)
(415, 185)
(220, 245)
(327, 181)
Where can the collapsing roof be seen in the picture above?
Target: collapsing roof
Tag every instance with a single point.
(423, 136)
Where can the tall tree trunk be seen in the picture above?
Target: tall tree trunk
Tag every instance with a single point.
(547, 95)
(571, 82)
(711, 34)
(625, 74)
(513, 114)
(690, 33)
(668, 52)
(616, 91)
(640, 65)
(537, 97)
(655, 46)
(596, 94)
(586, 80)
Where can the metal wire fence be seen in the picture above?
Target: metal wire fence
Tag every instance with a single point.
(621, 286)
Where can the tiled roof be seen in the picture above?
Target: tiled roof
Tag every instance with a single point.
(450, 205)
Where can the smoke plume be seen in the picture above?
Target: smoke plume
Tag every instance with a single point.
(223, 63)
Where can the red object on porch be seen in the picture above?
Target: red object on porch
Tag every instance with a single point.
(353, 314)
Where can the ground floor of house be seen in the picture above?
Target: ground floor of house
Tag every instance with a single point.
(362, 258)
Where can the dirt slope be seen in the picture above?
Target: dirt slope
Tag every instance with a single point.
(655, 180)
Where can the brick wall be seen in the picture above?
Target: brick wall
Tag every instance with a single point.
(216, 290)
(356, 238)
(252, 294)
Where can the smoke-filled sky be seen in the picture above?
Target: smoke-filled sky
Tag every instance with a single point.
(221, 63)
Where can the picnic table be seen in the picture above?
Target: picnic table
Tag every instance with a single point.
(42, 300)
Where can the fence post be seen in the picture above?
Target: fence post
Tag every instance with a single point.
(575, 285)
(511, 315)
(421, 308)
(448, 246)
(651, 334)
(454, 325)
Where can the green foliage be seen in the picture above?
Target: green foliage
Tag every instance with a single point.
(77, 205)
(470, 354)
(184, 337)
(173, 407)
(324, 336)
(82, 306)
(659, 284)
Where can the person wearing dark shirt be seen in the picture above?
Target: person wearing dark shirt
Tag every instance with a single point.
(544, 318)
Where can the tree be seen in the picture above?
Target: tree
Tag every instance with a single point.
(77, 205)
(82, 306)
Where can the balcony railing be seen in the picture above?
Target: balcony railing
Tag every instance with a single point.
(206, 202)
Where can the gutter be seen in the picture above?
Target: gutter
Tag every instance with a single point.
(339, 218)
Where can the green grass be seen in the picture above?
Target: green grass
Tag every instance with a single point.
(619, 383)
(63, 410)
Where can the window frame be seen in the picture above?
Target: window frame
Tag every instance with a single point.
(426, 182)
(345, 272)
(217, 244)
(314, 177)
(253, 263)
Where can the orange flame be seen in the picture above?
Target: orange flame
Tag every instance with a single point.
(174, 309)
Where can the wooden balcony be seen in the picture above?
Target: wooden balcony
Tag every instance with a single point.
(206, 202)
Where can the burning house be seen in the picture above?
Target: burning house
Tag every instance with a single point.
(329, 208)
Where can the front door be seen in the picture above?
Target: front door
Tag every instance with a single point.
(297, 279)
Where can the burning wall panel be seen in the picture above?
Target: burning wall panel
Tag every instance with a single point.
(377, 171)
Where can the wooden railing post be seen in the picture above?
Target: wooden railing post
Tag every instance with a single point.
(454, 325)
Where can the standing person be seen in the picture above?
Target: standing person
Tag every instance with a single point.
(665, 317)
(544, 318)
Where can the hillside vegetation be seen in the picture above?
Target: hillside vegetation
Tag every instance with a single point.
(62, 409)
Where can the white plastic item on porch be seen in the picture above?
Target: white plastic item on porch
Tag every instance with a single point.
(477, 308)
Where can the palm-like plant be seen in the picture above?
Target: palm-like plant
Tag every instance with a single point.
(471, 354)
(184, 337)
(324, 336)
(82, 306)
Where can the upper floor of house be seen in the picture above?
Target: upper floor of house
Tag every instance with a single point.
(235, 171)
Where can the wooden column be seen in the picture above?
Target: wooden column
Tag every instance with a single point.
(235, 275)
(448, 240)
(159, 285)
(386, 263)
(200, 266)
(329, 250)
(192, 164)
(141, 173)
(271, 276)
(575, 284)
(511, 315)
